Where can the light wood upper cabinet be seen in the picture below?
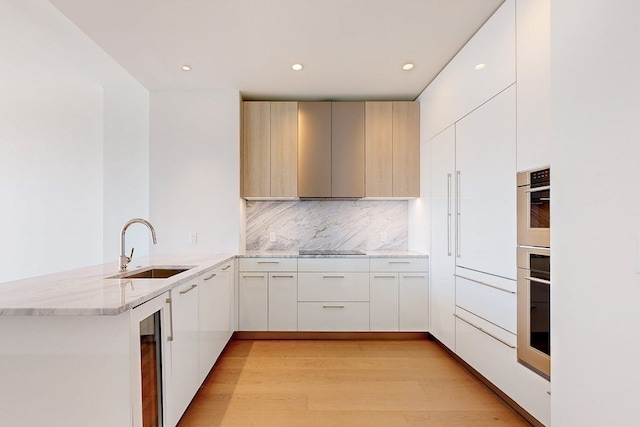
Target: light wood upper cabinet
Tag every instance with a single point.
(256, 166)
(347, 149)
(379, 148)
(406, 149)
(331, 149)
(393, 149)
(269, 152)
(284, 149)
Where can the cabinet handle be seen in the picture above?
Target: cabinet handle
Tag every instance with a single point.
(210, 277)
(485, 332)
(399, 262)
(333, 306)
(535, 279)
(448, 214)
(268, 262)
(384, 277)
(283, 276)
(536, 189)
(485, 284)
(192, 287)
(226, 267)
(333, 277)
(255, 276)
(170, 302)
(414, 277)
(458, 216)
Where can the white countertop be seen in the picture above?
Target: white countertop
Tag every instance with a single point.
(89, 291)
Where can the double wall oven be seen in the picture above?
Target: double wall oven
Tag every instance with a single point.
(534, 270)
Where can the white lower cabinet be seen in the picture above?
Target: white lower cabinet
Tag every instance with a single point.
(399, 294)
(268, 294)
(283, 299)
(253, 304)
(413, 302)
(383, 303)
(216, 315)
(183, 348)
(199, 322)
(352, 294)
(333, 294)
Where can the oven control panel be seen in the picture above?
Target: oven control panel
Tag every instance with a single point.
(540, 178)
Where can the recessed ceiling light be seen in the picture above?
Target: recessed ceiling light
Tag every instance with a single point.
(186, 68)
(297, 67)
(408, 66)
(480, 66)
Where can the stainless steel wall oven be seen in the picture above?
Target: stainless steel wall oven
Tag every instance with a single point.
(534, 309)
(534, 208)
(534, 270)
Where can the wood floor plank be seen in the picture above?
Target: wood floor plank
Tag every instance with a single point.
(343, 383)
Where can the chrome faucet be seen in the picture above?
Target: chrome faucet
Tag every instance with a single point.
(124, 260)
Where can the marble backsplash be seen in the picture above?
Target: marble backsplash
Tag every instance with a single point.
(328, 224)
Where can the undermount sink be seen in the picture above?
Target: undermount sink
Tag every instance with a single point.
(152, 273)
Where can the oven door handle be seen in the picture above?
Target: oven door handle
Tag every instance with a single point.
(536, 189)
(535, 279)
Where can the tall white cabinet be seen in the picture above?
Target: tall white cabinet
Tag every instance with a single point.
(474, 136)
(443, 246)
(486, 187)
(473, 204)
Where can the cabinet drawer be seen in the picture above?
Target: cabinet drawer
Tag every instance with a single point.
(488, 349)
(495, 360)
(399, 264)
(268, 264)
(333, 287)
(495, 302)
(334, 264)
(333, 316)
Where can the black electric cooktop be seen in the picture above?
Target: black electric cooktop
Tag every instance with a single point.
(330, 252)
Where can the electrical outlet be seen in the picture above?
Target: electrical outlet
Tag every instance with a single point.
(272, 236)
(193, 237)
(383, 236)
(638, 253)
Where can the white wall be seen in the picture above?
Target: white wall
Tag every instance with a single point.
(50, 179)
(195, 170)
(595, 150)
(51, 141)
(126, 169)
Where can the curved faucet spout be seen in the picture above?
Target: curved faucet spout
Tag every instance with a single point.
(124, 260)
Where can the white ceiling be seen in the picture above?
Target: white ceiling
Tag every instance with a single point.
(351, 49)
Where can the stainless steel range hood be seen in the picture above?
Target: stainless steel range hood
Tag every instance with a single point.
(331, 150)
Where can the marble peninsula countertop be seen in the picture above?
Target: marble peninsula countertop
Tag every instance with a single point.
(91, 292)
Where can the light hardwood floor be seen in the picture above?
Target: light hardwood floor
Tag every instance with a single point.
(343, 383)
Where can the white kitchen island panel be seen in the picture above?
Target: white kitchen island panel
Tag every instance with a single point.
(65, 371)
